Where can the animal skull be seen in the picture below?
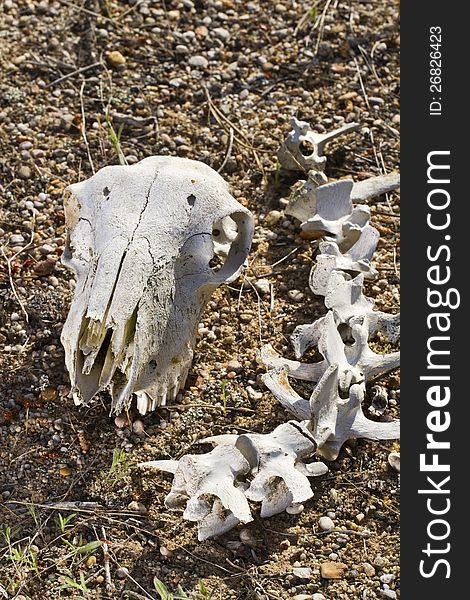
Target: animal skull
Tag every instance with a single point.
(141, 239)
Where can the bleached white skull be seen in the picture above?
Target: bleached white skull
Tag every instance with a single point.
(141, 240)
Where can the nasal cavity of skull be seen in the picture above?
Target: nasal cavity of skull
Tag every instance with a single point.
(191, 199)
(306, 148)
(224, 232)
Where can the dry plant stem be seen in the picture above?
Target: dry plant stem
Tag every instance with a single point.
(147, 595)
(364, 93)
(219, 117)
(229, 151)
(83, 128)
(76, 72)
(320, 29)
(10, 274)
(107, 570)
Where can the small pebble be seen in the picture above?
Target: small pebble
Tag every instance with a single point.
(234, 365)
(46, 249)
(326, 524)
(318, 596)
(295, 509)
(137, 507)
(221, 33)
(295, 295)
(65, 471)
(24, 172)
(262, 286)
(368, 569)
(91, 560)
(138, 426)
(115, 59)
(387, 578)
(389, 594)
(121, 421)
(16, 238)
(253, 394)
(302, 572)
(247, 538)
(272, 218)
(394, 461)
(360, 517)
(198, 62)
(379, 561)
(122, 572)
(332, 570)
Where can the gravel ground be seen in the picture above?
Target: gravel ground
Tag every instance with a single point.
(81, 83)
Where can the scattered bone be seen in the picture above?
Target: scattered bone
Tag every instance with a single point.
(206, 485)
(303, 202)
(356, 260)
(290, 154)
(374, 187)
(276, 380)
(336, 419)
(345, 297)
(140, 240)
(277, 459)
(356, 361)
(335, 218)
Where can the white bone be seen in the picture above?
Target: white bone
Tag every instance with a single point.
(303, 201)
(277, 381)
(206, 485)
(290, 155)
(356, 361)
(356, 260)
(374, 187)
(345, 297)
(140, 240)
(335, 218)
(336, 419)
(277, 460)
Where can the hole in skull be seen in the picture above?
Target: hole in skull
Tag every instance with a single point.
(306, 148)
(224, 232)
(216, 263)
(191, 199)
